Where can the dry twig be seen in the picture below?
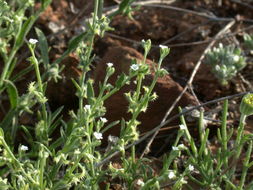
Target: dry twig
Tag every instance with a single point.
(242, 3)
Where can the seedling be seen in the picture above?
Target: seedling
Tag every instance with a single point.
(225, 62)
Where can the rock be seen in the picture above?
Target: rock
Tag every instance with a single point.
(166, 88)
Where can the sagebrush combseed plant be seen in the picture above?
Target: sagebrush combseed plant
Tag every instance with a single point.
(72, 158)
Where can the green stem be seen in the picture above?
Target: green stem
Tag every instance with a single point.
(245, 166)
(224, 131)
(100, 8)
(238, 143)
(138, 90)
(90, 47)
(240, 130)
(188, 136)
(37, 71)
(41, 175)
(137, 112)
(7, 66)
(140, 78)
(133, 154)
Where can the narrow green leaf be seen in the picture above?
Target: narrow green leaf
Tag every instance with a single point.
(90, 92)
(23, 32)
(110, 126)
(45, 3)
(13, 93)
(1, 133)
(74, 42)
(8, 119)
(57, 143)
(22, 73)
(43, 45)
(120, 81)
(79, 89)
(56, 113)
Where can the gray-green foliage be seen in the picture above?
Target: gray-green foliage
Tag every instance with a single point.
(225, 62)
(248, 41)
(214, 169)
(70, 160)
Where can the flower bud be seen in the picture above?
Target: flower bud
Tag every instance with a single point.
(246, 106)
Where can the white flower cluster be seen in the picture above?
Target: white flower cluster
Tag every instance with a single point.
(163, 46)
(171, 175)
(23, 148)
(135, 67)
(191, 167)
(104, 120)
(87, 107)
(33, 41)
(179, 147)
(182, 127)
(109, 64)
(98, 135)
(113, 139)
(140, 182)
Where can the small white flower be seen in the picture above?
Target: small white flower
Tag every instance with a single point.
(109, 64)
(181, 146)
(195, 113)
(171, 175)
(183, 181)
(46, 154)
(113, 139)
(98, 136)
(236, 58)
(217, 68)
(75, 180)
(87, 107)
(140, 182)
(20, 177)
(18, 18)
(23, 148)
(104, 120)
(33, 41)
(220, 45)
(135, 67)
(174, 148)
(182, 127)
(191, 167)
(163, 47)
(4, 181)
(77, 152)
(205, 122)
